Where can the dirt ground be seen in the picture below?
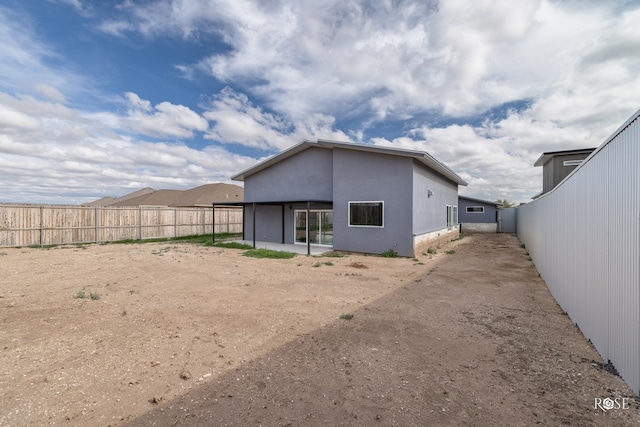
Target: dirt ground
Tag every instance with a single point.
(179, 334)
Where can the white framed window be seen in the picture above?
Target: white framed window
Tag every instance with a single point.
(452, 216)
(366, 214)
(475, 209)
(572, 163)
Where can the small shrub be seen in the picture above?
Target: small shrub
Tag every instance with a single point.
(450, 252)
(317, 264)
(124, 312)
(522, 245)
(432, 251)
(79, 295)
(389, 254)
(346, 316)
(329, 263)
(94, 296)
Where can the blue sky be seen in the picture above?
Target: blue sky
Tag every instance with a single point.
(104, 98)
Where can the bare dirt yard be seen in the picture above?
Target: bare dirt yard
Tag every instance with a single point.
(179, 334)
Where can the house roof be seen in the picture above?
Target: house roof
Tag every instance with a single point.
(207, 194)
(111, 201)
(421, 156)
(473, 199)
(545, 157)
(157, 198)
(203, 195)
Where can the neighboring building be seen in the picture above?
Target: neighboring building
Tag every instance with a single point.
(202, 196)
(352, 197)
(110, 201)
(156, 198)
(557, 165)
(477, 215)
(207, 194)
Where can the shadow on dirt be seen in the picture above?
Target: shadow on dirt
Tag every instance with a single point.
(422, 355)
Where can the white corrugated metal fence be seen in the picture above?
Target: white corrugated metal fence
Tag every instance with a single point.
(584, 238)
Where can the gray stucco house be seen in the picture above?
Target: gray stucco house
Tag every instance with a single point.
(352, 197)
(477, 215)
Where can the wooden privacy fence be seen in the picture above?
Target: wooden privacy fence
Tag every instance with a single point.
(56, 225)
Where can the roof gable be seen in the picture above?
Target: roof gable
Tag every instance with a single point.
(422, 157)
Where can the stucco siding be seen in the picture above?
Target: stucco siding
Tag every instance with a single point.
(305, 176)
(486, 217)
(363, 176)
(430, 213)
(268, 223)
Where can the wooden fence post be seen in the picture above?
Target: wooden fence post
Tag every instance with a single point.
(95, 220)
(41, 225)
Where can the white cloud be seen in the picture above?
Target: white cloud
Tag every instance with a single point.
(50, 92)
(455, 58)
(165, 120)
(236, 120)
(50, 152)
(24, 59)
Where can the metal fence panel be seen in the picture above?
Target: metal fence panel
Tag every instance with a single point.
(584, 238)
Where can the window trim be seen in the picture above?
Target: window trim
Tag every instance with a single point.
(381, 202)
(481, 211)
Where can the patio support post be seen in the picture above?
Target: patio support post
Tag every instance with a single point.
(254, 225)
(308, 229)
(282, 206)
(213, 223)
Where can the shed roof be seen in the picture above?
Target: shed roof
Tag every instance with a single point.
(421, 156)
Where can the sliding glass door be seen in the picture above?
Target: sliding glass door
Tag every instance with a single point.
(320, 227)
